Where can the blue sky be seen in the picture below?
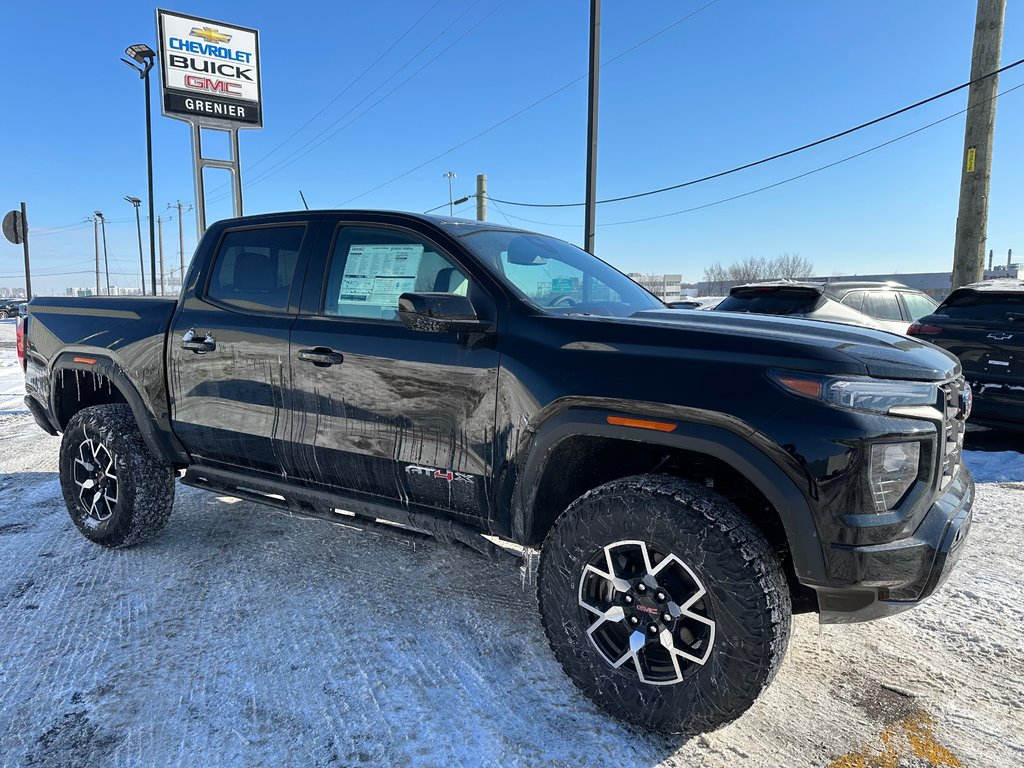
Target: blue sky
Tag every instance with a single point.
(737, 81)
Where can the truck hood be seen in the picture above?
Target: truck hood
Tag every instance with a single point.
(878, 353)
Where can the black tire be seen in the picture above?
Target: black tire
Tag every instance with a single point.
(745, 598)
(3, 314)
(102, 449)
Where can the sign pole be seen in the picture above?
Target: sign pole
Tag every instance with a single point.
(24, 243)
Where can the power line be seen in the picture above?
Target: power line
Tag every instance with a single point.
(759, 189)
(777, 156)
(528, 107)
(313, 144)
(349, 87)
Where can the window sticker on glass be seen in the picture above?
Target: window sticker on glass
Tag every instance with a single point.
(379, 274)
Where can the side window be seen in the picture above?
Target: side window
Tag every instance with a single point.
(855, 300)
(370, 268)
(254, 268)
(882, 305)
(918, 306)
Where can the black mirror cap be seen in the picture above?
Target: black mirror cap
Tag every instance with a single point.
(437, 312)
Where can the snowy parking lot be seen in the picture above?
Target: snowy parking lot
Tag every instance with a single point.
(243, 637)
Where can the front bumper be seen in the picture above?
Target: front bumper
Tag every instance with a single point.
(882, 579)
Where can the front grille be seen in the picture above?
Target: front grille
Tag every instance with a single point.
(954, 426)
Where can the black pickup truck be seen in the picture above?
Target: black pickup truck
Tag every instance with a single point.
(691, 479)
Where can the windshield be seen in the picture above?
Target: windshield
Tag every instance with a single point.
(556, 277)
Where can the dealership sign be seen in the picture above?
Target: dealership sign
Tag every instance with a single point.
(210, 71)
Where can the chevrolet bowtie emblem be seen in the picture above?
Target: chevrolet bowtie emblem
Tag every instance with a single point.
(210, 35)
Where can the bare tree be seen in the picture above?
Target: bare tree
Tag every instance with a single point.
(753, 269)
(792, 265)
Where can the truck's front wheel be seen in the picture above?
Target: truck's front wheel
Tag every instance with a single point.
(663, 603)
(116, 491)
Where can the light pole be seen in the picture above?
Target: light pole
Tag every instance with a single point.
(451, 205)
(145, 56)
(106, 266)
(138, 225)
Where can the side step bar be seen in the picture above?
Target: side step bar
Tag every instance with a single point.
(365, 513)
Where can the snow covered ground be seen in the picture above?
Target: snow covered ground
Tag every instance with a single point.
(241, 637)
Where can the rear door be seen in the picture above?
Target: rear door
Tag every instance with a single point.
(381, 409)
(229, 365)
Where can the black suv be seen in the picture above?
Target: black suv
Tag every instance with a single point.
(983, 325)
(10, 308)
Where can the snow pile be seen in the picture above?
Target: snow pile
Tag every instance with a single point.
(995, 466)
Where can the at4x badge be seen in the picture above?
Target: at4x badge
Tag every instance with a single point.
(440, 474)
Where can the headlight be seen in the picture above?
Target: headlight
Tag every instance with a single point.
(859, 393)
(893, 470)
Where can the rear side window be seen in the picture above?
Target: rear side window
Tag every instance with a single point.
(855, 300)
(254, 268)
(882, 305)
(978, 305)
(918, 306)
(771, 301)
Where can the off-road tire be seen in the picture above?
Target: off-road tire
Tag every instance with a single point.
(144, 489)
(746, 594)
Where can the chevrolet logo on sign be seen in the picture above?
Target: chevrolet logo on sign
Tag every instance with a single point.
(210, 35)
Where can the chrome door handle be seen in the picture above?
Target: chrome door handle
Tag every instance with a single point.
(198, 342)
(322, 357)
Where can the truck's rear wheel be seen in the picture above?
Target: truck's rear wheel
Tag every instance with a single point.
(663, 603)
(117, 493)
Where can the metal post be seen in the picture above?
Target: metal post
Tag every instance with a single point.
(991, 253)
(106, 264)
(481, 197)
(160, 227)
(976, 169)
(181, 247)
(24, 244)
(96, 238)
(149, 168)
(142, 264)
(236, 173)
(197, 166)
(595, 67)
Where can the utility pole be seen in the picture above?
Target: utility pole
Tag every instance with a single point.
(451, 204)
(976, 173)
(481, 197)
(991, 253)
(160, 228)
(181, 239)
(595, 67)
(106, 264)
(96, 240)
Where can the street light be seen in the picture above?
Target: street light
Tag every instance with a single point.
(144, 55)
(138, 225)
(451, 205)
(106, 266)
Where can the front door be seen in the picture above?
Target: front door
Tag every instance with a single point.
(229, 364)
(382, 409)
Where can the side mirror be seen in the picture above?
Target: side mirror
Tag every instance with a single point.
(437, 313)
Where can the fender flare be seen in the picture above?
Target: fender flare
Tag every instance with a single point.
(156, 434)
(737, 448)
